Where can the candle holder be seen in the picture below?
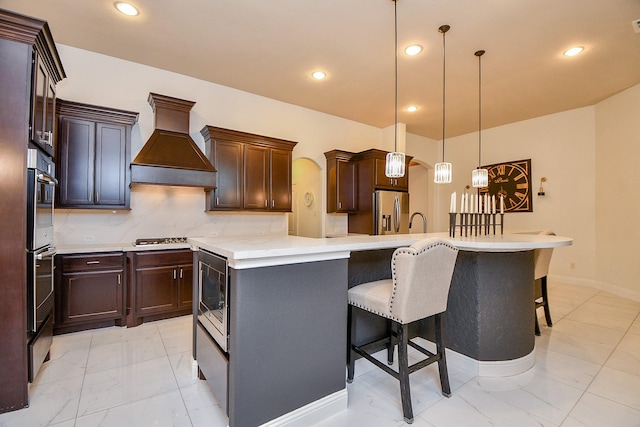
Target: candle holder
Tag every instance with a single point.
(475, 224)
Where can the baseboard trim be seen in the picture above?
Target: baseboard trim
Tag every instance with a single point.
(312, 413)
(597, 284)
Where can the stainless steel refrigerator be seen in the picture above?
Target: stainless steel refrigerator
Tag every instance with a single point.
(391, 212)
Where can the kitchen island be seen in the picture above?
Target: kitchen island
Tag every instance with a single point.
(287, 315)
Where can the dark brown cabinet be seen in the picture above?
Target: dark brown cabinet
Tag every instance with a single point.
(90, 291)
(161, 284)
(341, 182)
(377, 163)
(22, 40)
(94, 151)
(42, 123)
(254, 172)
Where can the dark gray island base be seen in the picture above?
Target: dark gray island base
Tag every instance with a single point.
(287, 338)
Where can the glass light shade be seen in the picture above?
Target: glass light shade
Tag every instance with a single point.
(480, 178)
(394, 167)
(443, 173)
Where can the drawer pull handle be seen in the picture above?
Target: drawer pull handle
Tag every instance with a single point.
(93, 262)
(119, 280)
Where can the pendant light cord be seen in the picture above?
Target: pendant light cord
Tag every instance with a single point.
(443, 29)
(395, 129)
(479, 54)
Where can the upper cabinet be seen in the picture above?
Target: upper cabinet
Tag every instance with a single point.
(372, 164)
(253, 171)
(342, 182)
(94, 151)
(43, 102)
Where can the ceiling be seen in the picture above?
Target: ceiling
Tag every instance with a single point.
(271, 47)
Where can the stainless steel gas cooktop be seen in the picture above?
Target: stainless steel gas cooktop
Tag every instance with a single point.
(160, 241)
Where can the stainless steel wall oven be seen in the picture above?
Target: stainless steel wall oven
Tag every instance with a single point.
(40, 252)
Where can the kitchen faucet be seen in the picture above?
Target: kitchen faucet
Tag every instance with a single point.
(424, 221)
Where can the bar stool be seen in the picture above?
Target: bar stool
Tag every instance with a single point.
(542, 259)
(418, 289)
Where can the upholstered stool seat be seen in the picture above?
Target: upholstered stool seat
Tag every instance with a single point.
(418, 289)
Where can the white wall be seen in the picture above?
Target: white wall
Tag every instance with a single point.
(160, 211)
(562, 149)
(617, 129)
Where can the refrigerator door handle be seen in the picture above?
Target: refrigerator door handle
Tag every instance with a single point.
(396, 214)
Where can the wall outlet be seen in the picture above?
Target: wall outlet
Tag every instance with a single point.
(89, 238)
(213, 234)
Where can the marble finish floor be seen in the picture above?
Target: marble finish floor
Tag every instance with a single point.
(587, 373)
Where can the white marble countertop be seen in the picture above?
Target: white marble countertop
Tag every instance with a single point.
(116, 247)
(261, 251)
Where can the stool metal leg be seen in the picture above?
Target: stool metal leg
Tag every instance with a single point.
(442, 362)
(350, 353)
(403, 372)
(545, 298)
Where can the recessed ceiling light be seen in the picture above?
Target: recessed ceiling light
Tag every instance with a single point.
(413, 50)
(318, 75)
(573, 51)
(412, 108)
(126, 8)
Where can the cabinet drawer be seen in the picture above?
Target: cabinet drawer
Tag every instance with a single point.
(91, 262)
(161, 258)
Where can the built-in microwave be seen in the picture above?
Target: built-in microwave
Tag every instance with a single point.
(213, 297)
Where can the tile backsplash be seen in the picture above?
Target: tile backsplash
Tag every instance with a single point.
(161, 211)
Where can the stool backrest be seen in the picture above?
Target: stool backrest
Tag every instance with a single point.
(542, 257)
(422, 276)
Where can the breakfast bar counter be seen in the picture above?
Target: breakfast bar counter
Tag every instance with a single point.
(288, 303)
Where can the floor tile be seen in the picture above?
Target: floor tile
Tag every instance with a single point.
(131, 348)
(202, 406)
(566, 369)
(181, 363)
(165, 409)
(617, 386)
(607, 316)
(49, 403)
(595, 411)
(635, 326)
(117, 386)
(626, 356)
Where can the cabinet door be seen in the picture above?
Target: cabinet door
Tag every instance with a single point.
(280, 182)
(39, 115)
(347, 187)
(92, 295)
(156, 290)
(76, 162)
(381, 180)
(185, 285)
(228, 161)
(256, 172)
(110, 164)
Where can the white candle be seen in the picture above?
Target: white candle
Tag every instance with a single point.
(501, 204)
(486, 203)
(466, 202)
(493, 204)
(454, 202)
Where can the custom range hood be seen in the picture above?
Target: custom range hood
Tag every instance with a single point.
(171, 156)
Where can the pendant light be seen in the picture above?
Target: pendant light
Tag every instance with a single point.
(479, 177)
(443, 172)
(394, 167)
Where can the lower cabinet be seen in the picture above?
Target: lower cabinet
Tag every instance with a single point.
(161, 284)
(90, 290)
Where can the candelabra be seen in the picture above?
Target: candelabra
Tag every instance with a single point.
(475, 224)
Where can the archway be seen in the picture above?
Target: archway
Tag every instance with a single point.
(306, 216)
